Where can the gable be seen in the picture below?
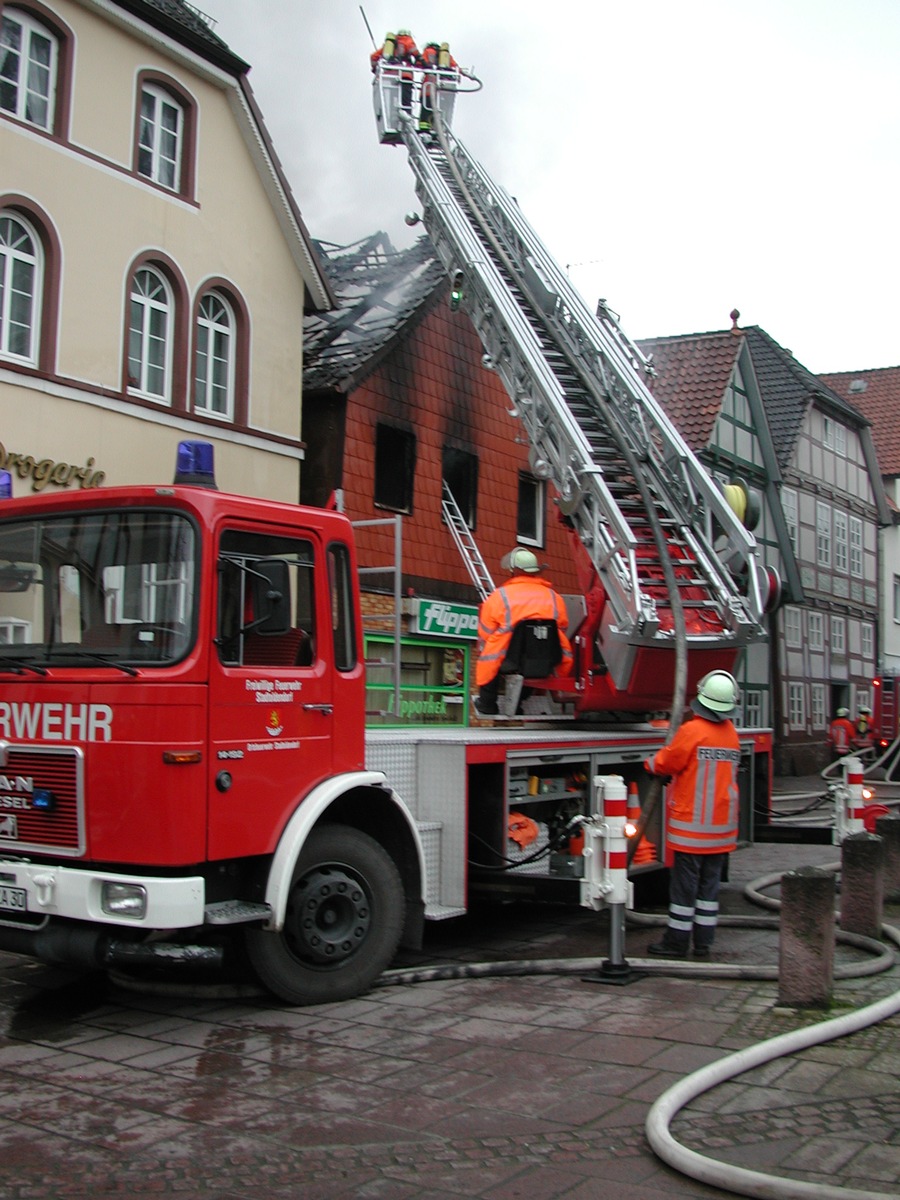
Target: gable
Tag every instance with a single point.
(692, 375)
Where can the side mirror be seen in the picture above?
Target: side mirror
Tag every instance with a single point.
(271, 590)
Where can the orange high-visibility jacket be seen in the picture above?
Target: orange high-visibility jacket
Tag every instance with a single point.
(841, 734)
(430, 58)
(522, 598)
(703, 758)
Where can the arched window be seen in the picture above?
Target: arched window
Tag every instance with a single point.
(161, 137)
(29, 62)
(21, 286)
(214, 357)
(150, 336)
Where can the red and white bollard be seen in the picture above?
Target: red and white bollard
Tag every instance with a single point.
(605, 883)
(849, 801)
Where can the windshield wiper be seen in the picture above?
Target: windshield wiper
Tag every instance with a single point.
(20, 666)
(98, 658)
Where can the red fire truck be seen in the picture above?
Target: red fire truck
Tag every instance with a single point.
(183, 752)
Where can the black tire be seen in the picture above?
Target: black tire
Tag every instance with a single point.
(343, 922)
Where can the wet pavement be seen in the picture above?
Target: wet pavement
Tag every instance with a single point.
(534, 1086)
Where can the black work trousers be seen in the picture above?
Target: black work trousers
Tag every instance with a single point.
(694, 899)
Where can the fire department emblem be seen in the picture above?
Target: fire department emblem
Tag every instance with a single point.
(274, 726)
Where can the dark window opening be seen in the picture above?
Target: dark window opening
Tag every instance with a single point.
(460, 469)
(395, 468)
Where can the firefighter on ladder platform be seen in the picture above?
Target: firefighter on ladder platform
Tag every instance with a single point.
(399, 49)
(436, 56)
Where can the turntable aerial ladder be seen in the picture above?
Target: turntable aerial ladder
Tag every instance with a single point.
(630, 489)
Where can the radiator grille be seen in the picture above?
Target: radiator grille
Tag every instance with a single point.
(28, 771)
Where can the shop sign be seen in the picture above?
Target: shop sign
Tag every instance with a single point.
(438, 618)
(42, 471)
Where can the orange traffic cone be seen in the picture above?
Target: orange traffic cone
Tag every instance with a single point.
(646, 851)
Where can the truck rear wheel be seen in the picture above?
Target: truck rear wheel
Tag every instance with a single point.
(343, 921)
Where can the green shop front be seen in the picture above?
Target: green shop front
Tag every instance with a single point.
(429, 683)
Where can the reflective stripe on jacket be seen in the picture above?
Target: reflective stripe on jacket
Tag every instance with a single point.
(703, 758)
(522, 598)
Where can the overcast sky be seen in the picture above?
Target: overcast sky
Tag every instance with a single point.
(680, 158)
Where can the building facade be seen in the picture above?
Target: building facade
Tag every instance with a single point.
(810, 455)
(398, 405)
(876, 393)
(155, 268)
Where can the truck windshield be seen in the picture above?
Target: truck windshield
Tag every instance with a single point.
(99, 586)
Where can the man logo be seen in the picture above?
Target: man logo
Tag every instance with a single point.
(9, 827)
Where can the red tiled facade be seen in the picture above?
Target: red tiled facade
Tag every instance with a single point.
(432, 382)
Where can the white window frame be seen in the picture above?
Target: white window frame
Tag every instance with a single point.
(815, 636)
(817, 705)
(841, 541)
(838, 635)
(753, 709)
(215, 340)
(160, 147)
(539, 502)
(17, 259)
(793, 630)
(834, 436)
(823, 534)
(797, 705)
(27, 87)
(856, 547)
(152, 306)
(867, 637)
(789, 508)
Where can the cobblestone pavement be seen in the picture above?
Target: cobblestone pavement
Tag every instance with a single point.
(499, 1087)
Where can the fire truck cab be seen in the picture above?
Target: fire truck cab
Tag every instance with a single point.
(182, 739)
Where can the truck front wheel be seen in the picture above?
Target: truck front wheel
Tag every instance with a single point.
(343, 921)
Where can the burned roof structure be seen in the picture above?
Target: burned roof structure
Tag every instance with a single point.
(379, 290)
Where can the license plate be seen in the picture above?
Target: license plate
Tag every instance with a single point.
(12, 899)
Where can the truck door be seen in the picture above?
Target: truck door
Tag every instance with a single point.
(271, 701)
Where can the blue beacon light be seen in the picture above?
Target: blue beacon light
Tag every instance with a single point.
(194, 464)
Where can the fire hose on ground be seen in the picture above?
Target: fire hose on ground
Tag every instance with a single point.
(740, 1180)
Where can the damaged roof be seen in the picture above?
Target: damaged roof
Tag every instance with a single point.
(379, 289)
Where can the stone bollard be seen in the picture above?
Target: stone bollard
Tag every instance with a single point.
(862, 884)
(888, 829)
(807, 937)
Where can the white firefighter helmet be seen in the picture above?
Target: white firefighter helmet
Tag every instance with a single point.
(718, 692)
(522, 560)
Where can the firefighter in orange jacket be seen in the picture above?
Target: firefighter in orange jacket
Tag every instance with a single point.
(401, 48)
(435, 55)
(525, 596)
(841, 733)
(702, 825)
